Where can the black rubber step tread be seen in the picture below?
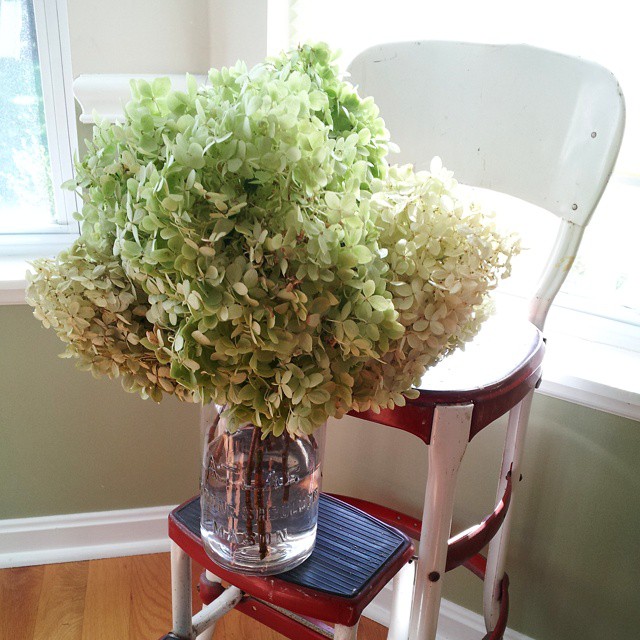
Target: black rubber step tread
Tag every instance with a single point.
(351, 547)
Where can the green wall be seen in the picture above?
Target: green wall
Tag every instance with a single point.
(70, 443)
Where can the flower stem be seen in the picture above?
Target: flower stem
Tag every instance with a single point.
(247, 483)
(262, 515)
(285, 464)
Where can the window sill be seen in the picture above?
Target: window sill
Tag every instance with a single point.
(12, 280)
(16, 251)
(593, 375)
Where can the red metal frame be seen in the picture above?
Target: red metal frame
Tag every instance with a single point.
(265, 614)
(208, 590)
(462, 546)
(478, 566)
(490, 401)
(317, 607)
(296, 630)
(282, 623)
(300, 600)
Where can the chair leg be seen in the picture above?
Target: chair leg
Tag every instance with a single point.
(181, 593)
(207, 634)
(401, 604)
(345, 633)
(449, 439)
(512, 456)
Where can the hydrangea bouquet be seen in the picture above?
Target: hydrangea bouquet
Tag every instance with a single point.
(246, 242)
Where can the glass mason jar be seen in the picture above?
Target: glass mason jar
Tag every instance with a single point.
(259, 499)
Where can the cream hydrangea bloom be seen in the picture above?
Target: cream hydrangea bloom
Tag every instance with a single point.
(444, 256)
(246, 242)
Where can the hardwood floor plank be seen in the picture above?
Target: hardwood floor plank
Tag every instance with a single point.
(370, 630)
(61, 602)
(150, 615)
(108, 600)
(236, 626)
(20, 590)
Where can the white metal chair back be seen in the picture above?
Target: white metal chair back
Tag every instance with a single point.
(534, 124)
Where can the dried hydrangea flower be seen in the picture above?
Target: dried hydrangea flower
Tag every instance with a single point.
(246, 242)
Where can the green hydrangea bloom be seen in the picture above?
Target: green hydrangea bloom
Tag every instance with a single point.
(245, 242)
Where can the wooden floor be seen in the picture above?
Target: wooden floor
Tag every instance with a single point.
(115, 599)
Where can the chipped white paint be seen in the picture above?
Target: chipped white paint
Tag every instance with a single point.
(449, 439)
(219, 607)
(181, 592)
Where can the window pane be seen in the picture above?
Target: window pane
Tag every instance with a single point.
(26, 190)
(605, 277)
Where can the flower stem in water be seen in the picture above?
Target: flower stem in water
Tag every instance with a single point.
(262, 515)
(285, 464)
(255, 437)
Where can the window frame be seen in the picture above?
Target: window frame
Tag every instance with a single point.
(54, 54)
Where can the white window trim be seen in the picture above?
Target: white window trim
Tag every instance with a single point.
(54, 52)
(52, 33)
(573, 367)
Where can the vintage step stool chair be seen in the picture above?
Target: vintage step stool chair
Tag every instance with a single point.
(540, 126)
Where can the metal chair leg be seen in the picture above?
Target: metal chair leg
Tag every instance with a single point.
(512, 457)
(181, 592)
(401, 604)
(207, 634)
(210, 614)
(345, 633)
(449, 439)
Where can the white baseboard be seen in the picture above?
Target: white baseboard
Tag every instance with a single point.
(83, 536)
(455, 622)
(128, 532)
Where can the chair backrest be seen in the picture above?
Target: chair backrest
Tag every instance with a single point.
(534, 124)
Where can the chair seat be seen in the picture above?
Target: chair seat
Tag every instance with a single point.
(504, 346)
(354, 557)
(493, 372)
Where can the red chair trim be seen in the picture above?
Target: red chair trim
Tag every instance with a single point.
(478, 566)
(489, 402)
(282, 623)
(468, 543)
(462, 546)
(208, 590)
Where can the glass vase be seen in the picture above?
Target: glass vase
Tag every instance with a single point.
(259, 499)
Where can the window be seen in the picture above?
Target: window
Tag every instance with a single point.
(37, 127)
(601, 290)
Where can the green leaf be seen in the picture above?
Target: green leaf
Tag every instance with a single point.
(369, 288)
(161, 86)
(351, 329)
(318, 396)
(362, 254)
(314, 380)
(379, 303)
